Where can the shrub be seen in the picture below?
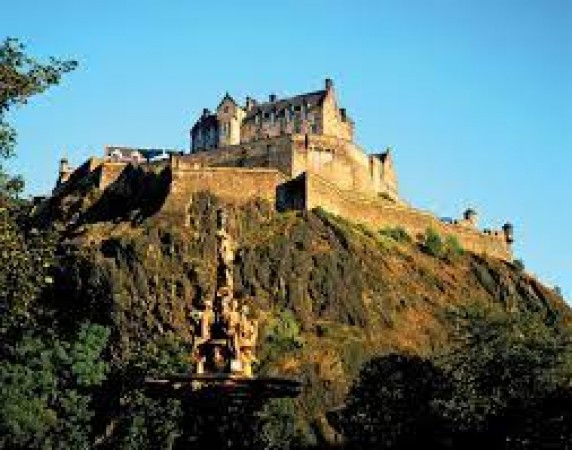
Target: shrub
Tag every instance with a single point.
(432, 243)
(452, 247)
(398, 234)
(518, 264)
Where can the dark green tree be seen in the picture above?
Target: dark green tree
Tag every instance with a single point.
(506, 366)
(396, 404)
(21, 77)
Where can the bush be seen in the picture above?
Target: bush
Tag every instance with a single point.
(518, 264)
(398, 234)
(432, 243)
(452, 247)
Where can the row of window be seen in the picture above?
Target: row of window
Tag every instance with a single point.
(284, 115)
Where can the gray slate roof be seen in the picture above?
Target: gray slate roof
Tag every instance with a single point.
(312, 99)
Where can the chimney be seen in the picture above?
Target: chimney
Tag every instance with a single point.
(250, 102)
(206, 112)
(329, 84)
(272, 98)
(470, 215)
(343, 114)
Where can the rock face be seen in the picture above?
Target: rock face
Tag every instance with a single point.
(328, 294)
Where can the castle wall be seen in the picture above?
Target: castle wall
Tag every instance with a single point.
(232, 184)
(341, 162)
(332, 123)
(269, 153)
(379, 213)
(337, 160)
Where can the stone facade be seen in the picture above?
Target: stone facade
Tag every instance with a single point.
(315, 113)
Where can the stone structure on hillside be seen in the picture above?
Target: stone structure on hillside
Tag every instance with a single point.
(225, 336)
(296, 152)
(270, 134)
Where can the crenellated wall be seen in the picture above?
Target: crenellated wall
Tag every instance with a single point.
(379, 213)
(297, 172)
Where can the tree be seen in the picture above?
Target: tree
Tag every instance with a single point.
(395, 404)
(21, 77)
(507, 367)
(505, 383)
(48, 375)
(45, 400)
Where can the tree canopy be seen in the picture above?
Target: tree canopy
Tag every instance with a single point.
(21, 77)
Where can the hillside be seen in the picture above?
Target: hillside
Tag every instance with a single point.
(329, 294)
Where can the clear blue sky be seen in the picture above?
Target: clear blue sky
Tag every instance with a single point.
(474, 96)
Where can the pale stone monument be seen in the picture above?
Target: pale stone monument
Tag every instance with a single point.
(226, 334)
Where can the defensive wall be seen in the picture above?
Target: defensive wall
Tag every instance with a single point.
(379, 213)
(313, 187)
(232, 184)
(337, 160)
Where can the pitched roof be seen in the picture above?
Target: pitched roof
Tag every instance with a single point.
(227, 96)
(311, 98)
(205, 121)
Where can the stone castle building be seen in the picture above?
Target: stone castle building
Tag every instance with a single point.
(297, 152)
(267, 134)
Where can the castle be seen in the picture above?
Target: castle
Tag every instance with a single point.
(298, 153)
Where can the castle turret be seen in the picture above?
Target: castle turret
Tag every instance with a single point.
(508, 230)
(470, 217)
(65, 171)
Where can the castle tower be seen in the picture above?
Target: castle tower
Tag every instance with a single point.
(229, 117)
(470, 217)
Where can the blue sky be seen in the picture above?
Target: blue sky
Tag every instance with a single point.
(475, 97)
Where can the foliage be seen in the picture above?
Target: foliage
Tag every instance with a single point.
(452, 247)
(149, 423)
(504, 362)
(518, 264)
(432, 243)
(398, 234)
(281, 335)
(504, 384)
(47, 386)
(276, 425)
(26, 258)
(21, 77)
(395, 404)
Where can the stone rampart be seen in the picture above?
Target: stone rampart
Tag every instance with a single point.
(267, 153)
(337, 160)
(378, 213)
(231, 184)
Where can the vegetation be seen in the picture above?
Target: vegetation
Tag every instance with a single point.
(21, 77)
(505, 383)
(518, 264)
(432, 243)
(398, 234)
